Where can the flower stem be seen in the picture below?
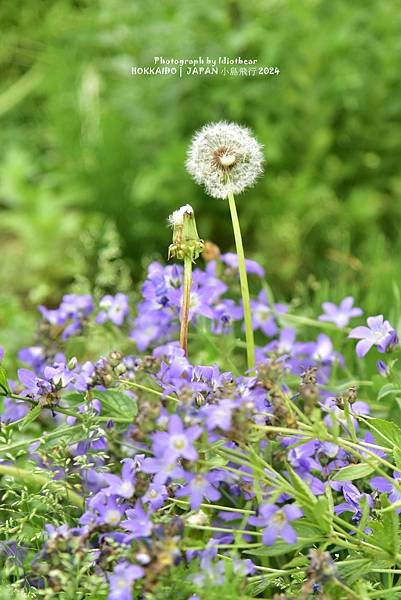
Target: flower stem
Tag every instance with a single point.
(250, 344)
(185, 304)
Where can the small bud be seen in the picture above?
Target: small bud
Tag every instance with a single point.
(72, 363)
(383, 368)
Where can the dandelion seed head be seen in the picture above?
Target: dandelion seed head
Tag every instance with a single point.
(177, 217)
(225, 158)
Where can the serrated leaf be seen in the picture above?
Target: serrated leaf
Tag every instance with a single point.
(385, 432)
(385, 532)
(116, 404)
(352, 572)
(30, 417)
(353, 472)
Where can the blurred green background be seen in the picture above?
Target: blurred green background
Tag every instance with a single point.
(92, 158)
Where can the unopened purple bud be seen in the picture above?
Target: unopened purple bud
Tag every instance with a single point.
(382, 368)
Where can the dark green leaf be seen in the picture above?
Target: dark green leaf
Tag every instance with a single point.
(116, 404)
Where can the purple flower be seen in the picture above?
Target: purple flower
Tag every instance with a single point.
(34, 356)
(323, 351)
(340, 315)
(123, 486)
(276, 522)
(103, 510)
(177, 442)
(138, 523)
(115, 309)
(381, 484)
(218, 415)
(122, 579)
(35, 387)
(353, 499)
(285, 344)
(155, 496)
(13, 410)
(163, 469)
(199, 486)
(231, 260)
(262, 315)
(379, 333)
(225, 313)
(59, 374)
(72, 310)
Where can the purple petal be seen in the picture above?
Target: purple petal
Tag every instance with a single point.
(363, 347)
(292, 512)
(288, 534)
(360, 332)
(375, 323)
(269, 536)
(329, 308)
(381, 484)
(175, 425)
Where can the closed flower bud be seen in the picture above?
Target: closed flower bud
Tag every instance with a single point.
(186, 241)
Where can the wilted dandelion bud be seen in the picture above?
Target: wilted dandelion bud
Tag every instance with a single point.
(225, 158)
(186, 241)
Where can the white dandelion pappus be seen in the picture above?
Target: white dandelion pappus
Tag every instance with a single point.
(225, 158)
(177, 217)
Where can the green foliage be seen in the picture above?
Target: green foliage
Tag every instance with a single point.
(80, 135)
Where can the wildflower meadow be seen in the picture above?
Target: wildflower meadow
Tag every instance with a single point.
(196, 438)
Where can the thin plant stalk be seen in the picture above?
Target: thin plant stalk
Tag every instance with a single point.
(186, 299)
(250, 344)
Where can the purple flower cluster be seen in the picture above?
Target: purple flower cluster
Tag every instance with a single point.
(205, 449)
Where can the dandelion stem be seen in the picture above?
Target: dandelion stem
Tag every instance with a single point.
(250, 344)
(185, 304)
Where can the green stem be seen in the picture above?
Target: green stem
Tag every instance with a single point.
(250, 344)
(185, 304)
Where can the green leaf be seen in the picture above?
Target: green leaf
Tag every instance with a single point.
(385, 533)
(385, 432)
(353, 472)
(30, 417)
(280, 547)
(4, 381)
(116, 404)
(355, 569)
(302, 492)
(397, 457)
(388, 389)
(74, 398)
